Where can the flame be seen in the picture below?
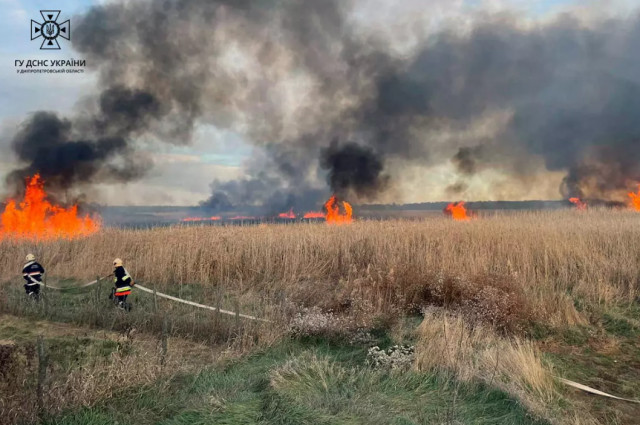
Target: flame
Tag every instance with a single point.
(190, 219)
(334, 216)
(36, 218)
(314, 214)
(242, 217)
(457, 211)
(288, 214)
(634, 200)
(578, 203)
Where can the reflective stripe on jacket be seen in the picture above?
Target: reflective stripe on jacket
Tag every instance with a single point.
(125, 290)
(32, 272)
(121, 278)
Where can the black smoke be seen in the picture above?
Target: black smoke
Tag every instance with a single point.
(124, 111)
(323, 100)
(90, 149)
(353, 170)
(466, 160)
(572, 90)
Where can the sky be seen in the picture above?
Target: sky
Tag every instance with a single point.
(182, 174)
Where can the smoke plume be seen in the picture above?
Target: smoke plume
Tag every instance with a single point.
(353, 170)
(325, 101)
(67, 153)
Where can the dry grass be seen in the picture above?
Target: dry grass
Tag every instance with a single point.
(509, 265)
(483, 283)
(136, 360)
(476, 352)
(95, 380)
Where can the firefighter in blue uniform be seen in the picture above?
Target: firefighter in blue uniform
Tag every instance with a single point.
(122, 282)
(32, 273)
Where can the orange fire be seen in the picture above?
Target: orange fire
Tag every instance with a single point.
(457, 211)
(334, 215)
(314, 214)
(242, 217)
(190, 219)
(634, 200)
(37, 218)
(578, 203)
(288, 214)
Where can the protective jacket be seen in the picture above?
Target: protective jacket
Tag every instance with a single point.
(32, 273)
(122, 281)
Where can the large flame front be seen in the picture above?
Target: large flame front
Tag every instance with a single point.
(634, 200)
(37, 218)
(457, 211)
(334, 215)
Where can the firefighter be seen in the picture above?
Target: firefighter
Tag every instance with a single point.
(122, 281)
(32, 273)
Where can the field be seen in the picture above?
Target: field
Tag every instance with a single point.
(396, 321)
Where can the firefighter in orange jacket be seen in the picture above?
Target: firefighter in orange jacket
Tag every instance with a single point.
(122, 282)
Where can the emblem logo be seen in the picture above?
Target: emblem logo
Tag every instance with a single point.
(50, 29)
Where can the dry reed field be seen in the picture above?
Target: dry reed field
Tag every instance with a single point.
(537, 261)
(505, 300)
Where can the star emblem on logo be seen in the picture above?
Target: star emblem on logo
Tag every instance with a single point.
(50, 29)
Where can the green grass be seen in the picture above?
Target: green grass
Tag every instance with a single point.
(64, 351)
(69, 352)
(604, 355)
(92, 306)
(244, 393)
(318, 383)
(620, 326)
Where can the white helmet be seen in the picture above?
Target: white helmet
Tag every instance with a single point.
(117, 262)
(31, 257)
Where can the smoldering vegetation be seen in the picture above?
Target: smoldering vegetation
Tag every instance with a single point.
(300, 79)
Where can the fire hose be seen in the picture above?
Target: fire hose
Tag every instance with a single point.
(593, 390)
(568, 382)
(169, 297)
(180, 300)
(62, 289)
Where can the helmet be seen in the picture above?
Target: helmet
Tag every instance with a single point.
(31, 257)
(117, 262)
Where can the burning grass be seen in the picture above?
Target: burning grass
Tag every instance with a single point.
(457, 211)
(634, 200)
(38, 219)
(338, 212)
(579, 204)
